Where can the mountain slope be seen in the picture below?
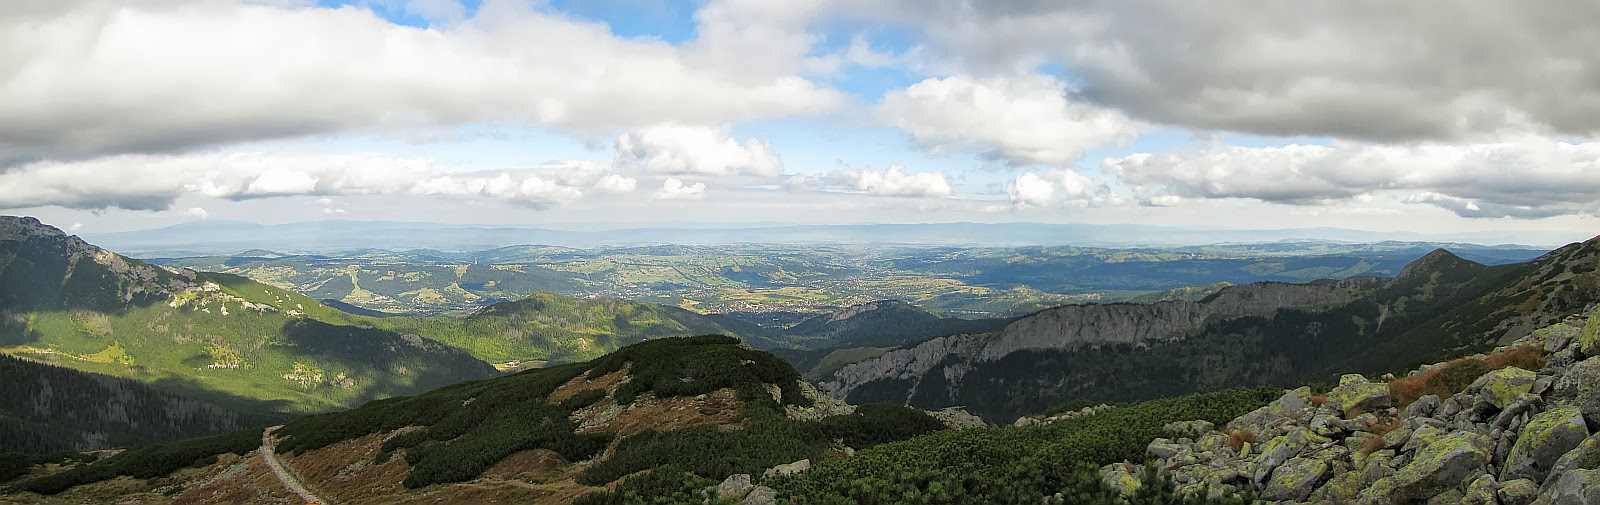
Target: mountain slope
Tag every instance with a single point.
(646, 420)
(1439, 305)
(881, 323)
(45, 409)
(555, 328)
(215, 337)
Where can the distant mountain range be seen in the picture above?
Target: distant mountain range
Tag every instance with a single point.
(229, 237)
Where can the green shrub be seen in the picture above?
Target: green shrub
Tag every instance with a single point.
(147, 462)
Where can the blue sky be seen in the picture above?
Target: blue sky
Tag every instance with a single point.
(826, 111)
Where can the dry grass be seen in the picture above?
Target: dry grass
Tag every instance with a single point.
(1237, 439)
(1318, 400)
(1453, 376)
(1375, 444)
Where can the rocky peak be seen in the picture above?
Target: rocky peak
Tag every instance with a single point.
(24, 227)
(869, 307)
(1439, 260)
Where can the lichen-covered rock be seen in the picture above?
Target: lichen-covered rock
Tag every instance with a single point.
(1277, 412)
(1585, 456)
(1117, 477)
(1500, 387)
(761, 495)
(1449, 497)
(1295, 479)
(1163, 448)
(1581, 386)
(1190, 429)
(1545, 439)
(1356, 392)
(1442, 465)
(1557, 336)
(1517, 492)
(1577, 487)
(1422, 407)
(1482, 491)
(734, 486)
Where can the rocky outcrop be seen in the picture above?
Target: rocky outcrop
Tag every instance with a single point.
(1513, 437)
(1078, 325)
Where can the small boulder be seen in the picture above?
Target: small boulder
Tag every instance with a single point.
(1163, 448)
(1547, 437)
(1190, 429)
(794, 468)
(1275, 413)
(734, 486)
(1585, 456)
(1500, 387)
(1577, 487)
(1517, 492)
(1356, 392)
(761, 495)
(1442, 465)
(1117, 477)
(1581, 386)
(1482, 491)
(1295, 479)
(1422, 407)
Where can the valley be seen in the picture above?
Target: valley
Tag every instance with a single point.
(547, 397)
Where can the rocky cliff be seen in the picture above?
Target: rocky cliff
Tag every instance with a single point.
(1078, 325)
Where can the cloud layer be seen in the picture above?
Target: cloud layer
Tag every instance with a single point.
(80, 79)
(1359, 69)
(155, 182)
(1525, 178)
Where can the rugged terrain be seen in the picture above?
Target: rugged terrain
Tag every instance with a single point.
(1440, 305)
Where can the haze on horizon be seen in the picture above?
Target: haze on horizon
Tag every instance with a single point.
(1428, 116)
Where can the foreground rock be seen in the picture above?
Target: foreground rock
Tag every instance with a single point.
(1512, 437)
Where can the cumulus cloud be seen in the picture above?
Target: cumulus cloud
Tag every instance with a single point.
(1362, 69)
(154, 182)
(1067, 187)
(614, 183)
(674, 189)
(681, 149)
(895, 181)
(1023, 120)
(197, 212)
(1521, 178)
(86, 79)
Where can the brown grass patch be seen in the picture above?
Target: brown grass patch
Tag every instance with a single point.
(719, 407)
(1355, 412)
(538, 465)
(582, 383)
(1376, 443)
(1237, 439)
(1318, 400)
(1453, 376)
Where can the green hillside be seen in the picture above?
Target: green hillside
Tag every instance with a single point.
(215, 337)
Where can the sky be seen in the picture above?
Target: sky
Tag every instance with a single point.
(1438, 116)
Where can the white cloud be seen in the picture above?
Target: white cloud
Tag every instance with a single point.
(1522, 178)
(155, 182)
(894, 181)
(681, 149)
(805, 182)
(197, 212)
(614, 183)
(1023, 120)
(83, 79)
(75, 227)
(1364, 69)
(674, 189)
(1066, 187)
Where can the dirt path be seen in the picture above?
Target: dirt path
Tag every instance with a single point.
(285, 475)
